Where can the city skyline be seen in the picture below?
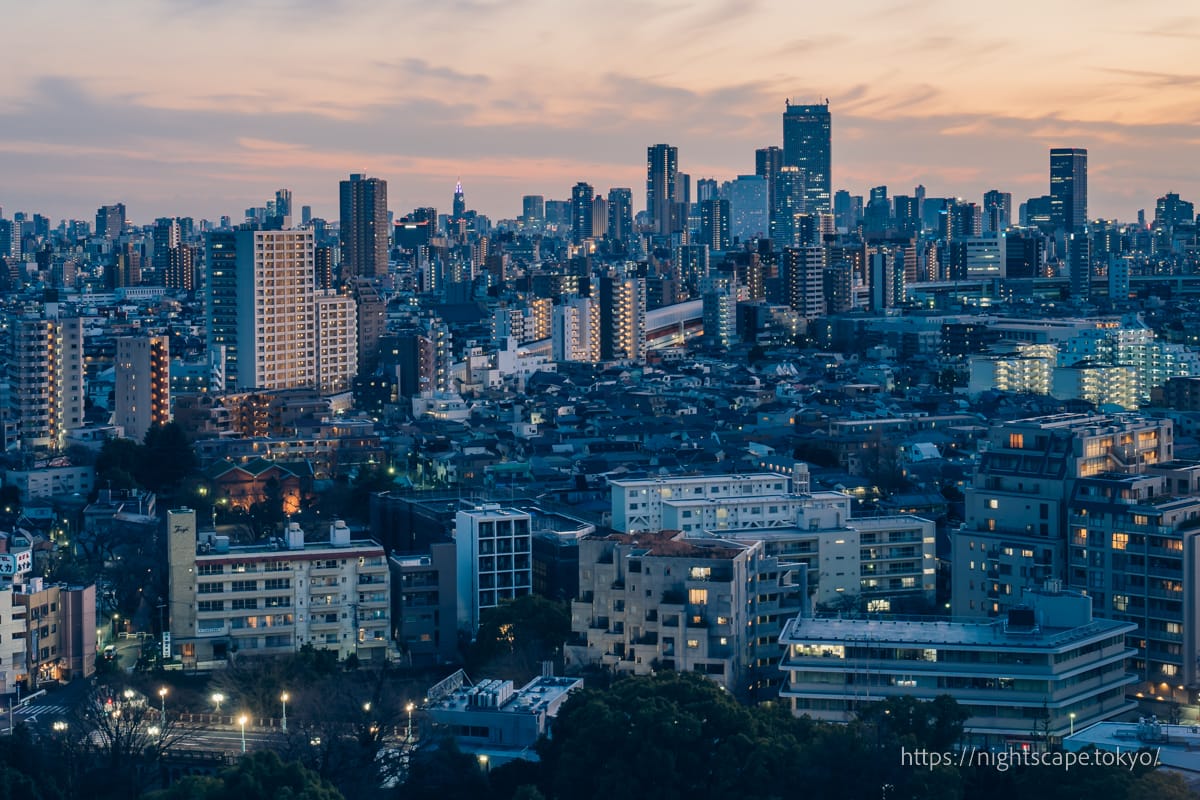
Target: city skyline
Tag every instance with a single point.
(214, 106)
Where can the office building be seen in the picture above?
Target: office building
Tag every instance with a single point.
(142, 397)
(802, 272)
(364, 232)
(1032, 676)
(1068, 189)
(749, 210)
(60, 630)
(270, 598)
(533, 211)
(807, 145)
(110, 221)
(997, 211)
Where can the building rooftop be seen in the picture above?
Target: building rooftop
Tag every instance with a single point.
(988, 635)
(537, 696)
(1175, 746)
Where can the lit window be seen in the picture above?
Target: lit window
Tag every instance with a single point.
(1120, 541)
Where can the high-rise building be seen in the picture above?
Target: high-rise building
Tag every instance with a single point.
(714, 224)
(142, 396)
(533, 211)
(166, 237)
(181, 268)
(622, 317)
(261, 292)
(802, 270)
(620, 215)
(787, 208)
(582, 207)
(807, 145)
(749, 212)
(336, 339)
(459, 209)
(661, 183)
(1079, 265)
(767, 163)
(997, 211)
(45, 378)
(110, 220)
(364, 230)
(1169, 211)
(1068, 188)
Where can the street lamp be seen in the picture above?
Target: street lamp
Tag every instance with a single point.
(59, 726)
(408, 734)
(1072, 718)
(162, 717)
(483, 762)
(283, 698)
(242, 722)
(217, 699)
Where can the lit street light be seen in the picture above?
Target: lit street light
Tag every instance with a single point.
(162, 717)
(1072, 716)
(408, 734)
(483, 762)
(217, 699)
(59, 726)
(283, 698)
(242, 722)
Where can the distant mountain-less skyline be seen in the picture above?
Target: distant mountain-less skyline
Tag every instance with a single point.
(206, 107)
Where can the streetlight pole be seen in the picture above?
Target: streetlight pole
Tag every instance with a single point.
(217, 699)
(242, 722)
(1071, 716)
(162, 716)
(283, 698)
(408, 733)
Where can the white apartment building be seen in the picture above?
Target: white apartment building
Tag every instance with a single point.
(12, 641)
(637, 504)
(575, 331)
(336, 341)
(276, 322)
(274, 597)
(494, 552)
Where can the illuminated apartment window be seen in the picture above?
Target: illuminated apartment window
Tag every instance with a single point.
(1016, 441)
(698, 597)
(993, 503)
(1120, 541)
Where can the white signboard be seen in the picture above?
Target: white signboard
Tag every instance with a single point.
(166, 644)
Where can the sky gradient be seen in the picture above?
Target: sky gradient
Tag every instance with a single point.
(206, 107)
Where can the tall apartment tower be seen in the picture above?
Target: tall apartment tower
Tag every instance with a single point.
(662, 167)
(620, 215)
(261, 292)
(533, 210)
(495, 560)
(143, 384)
(622, 317)
(1068, 188)
(575, 331)
(582, 207)
(45, 377)
(803, 272)
(336, 341)
(767, 163)
(807, 145)
(166, 238)
(997, 211)
(364, 226)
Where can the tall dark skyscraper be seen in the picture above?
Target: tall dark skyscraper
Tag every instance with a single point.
(620, 215)
(997, 211)
(1068, 188)
(767, 162)
(807, 145)
(459, 209)
(533, 210)
(714, 224)
(582, 204)
(364, 227)
(662, 166)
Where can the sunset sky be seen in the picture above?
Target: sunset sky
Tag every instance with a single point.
(205, 107)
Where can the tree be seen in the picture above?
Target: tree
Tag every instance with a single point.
(258, 776)
(443, 772)
(933, 725)
(516, 636)
(167, 458)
